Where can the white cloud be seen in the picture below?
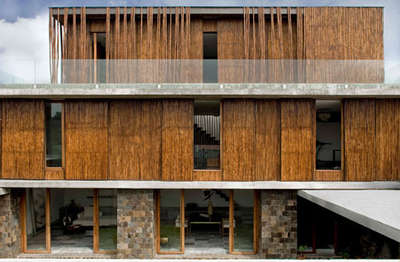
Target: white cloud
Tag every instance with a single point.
(24, 50)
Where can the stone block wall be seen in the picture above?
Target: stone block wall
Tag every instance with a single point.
(279, 223)
(136, 232)
(10, 232)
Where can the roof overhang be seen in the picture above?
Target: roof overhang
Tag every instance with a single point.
(378, 210)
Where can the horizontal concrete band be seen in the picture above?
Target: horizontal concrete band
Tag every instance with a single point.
(197, 90)
(4, 191)
(133, 184)
(378, 210)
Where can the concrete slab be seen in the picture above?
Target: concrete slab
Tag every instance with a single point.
(133, 184)
(198, 90)
(378, 210)
(4, 191)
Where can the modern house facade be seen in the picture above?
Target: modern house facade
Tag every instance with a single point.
(187, 132)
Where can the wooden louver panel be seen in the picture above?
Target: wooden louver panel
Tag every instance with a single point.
(23, 140)
(297, 139)
(238, 137)
(359, 124)
(387, 139)
(135, 140)
(177, 140)
(86, 140)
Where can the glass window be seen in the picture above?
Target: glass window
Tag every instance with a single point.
(107, 200)
(71, 220)
(328, 151)
(210, 56)
(170, 220)
(206, 134)
(35, 209)
(53, 134)
(243, 225)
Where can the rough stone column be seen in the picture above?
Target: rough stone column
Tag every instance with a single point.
(135, 224)
(10, 232)
(279, 223)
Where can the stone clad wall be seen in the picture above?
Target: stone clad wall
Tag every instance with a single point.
(136, 232)
(279, 223)
(10, 233)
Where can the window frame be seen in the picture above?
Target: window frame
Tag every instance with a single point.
(214, 174)
(329, 174)
(49, 169)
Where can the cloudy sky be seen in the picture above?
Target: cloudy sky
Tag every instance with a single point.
(24, 29)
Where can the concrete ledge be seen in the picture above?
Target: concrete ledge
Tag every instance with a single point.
(198, 90)
(133, 184)
(4, 191)
(378, 210)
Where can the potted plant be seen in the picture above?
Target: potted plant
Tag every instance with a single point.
(301, 251)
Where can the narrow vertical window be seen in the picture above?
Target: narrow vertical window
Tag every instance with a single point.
(328, 144)
(53, 113)
(210, 56)
(99, 56)
(206, 134)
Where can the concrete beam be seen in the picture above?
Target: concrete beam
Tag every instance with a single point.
(133, 184)
(375, 209)
(4, 191)
(199, 90)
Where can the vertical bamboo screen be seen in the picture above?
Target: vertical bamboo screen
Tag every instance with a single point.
(238, 140)
(22, 140)
(352, 36)
(297, 139)
(177, 140)
(86, 140)
(268, 140)
(135, 140)
(387, 139)
(359, 137)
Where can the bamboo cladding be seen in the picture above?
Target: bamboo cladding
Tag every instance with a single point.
(271, 44)
(261, 140)
(22, 140)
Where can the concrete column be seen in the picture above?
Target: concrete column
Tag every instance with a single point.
(10, 232)
(279, 223)
(135, 224)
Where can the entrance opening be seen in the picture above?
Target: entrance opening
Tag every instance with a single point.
(210, 56)
(207, 213)
(71, 220)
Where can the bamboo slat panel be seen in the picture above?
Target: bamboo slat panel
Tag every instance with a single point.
(177, 140)
(86, 140)
(23, 140)
(54, 174)
(268, 140)
(387, 139)
(359, 137)
(135, 140)
(238, 140)
(207, 175)
(297, 140)
(230, 46)
(344, 33)
(328, 175)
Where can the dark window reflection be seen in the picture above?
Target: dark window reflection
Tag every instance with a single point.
(206, 134)
(328, 151)
(53, 134)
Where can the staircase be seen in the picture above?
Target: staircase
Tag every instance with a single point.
(206, 128)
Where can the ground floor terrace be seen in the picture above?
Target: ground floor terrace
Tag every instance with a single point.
(179, 223)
